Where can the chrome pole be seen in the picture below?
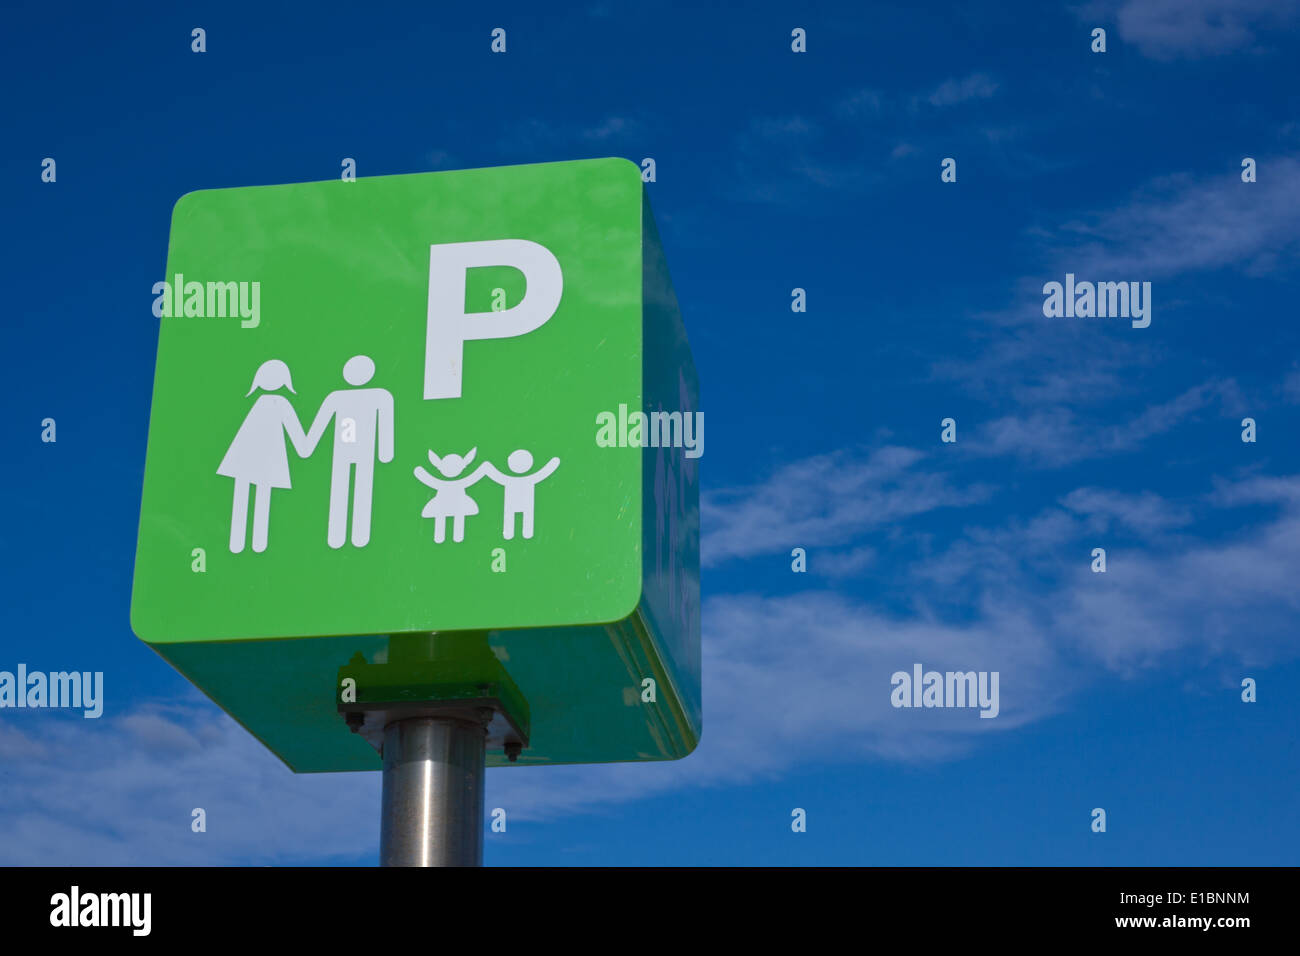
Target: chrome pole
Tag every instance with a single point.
(432, 812)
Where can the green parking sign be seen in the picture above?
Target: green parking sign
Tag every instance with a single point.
(439, 402)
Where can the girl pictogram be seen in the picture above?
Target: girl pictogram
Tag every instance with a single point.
(450, 499)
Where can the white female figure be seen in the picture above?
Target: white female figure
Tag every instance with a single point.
(450, 500)
(257, 455)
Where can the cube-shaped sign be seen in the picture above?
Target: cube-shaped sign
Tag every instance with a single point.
(458, 401)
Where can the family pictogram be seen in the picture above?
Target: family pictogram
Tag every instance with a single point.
(258, 460)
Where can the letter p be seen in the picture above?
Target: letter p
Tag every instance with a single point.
(450, 326)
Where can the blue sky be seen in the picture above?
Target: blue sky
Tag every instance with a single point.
(775, 170)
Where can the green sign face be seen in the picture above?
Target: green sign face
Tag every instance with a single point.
(410, 404)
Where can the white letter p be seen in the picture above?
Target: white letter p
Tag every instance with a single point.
(450, 326)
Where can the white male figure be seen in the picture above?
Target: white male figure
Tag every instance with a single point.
(363, 419)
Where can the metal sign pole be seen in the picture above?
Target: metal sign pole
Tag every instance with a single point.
(432, 808)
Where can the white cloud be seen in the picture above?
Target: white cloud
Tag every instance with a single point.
(782, 159)
(836, 151)
(613, 126)
(789, 681)
(860, 104)
(1172, 227)
(1145, 513)
(1171, 29)
(806, 678)
(1290, 387)
(803, 679)
(1236, 598)
(1177, 224)
(1054, 436)
(121, 792)
(534, 134)
(824, 501)
(977, 86)
(846, 563)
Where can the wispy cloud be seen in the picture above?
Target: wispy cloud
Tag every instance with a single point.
(1146, 513)
(846, 563)
(859, 104)
(1055, 436)
(122, 793)
(1173, 29)
(784, 159)
(805, 678)
(789, 681)
(825, 501)
(1290, 387)
(1235, 598)
(1178, 224)
(611, 127)
(870, 102)
(611, 133)
(977, 86)
(1172, 227)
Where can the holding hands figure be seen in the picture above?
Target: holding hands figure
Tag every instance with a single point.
(520, 489)
(450, 499)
